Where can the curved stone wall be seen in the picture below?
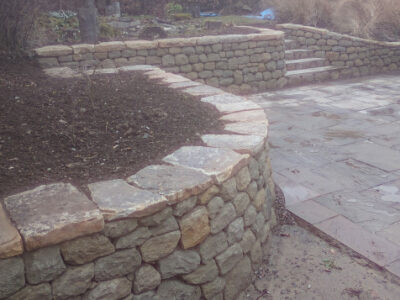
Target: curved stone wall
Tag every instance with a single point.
(192, 227)
(356, 56)
(240, 62)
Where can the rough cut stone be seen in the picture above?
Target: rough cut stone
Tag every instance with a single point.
(215, 206)
(194, 227)
(250, 216)
(256, 253)
(249, 128)
(252, 190)
(240, 143)
(212, 246)
(247, 241)
(243, 179)
(145, 296)
(208, 194)
(117, 200)
(156, 219)
(109, 46)
(203, 274)
(215, 162)
(203, 90)
(173, 182)
(168, 225)
(185, 206)
(226, 215)
(179, 262)
(119, 228)
(54, 50)
(43, 265)
(86, 249)
(174, 289)
(111, 290)
(136, 238)
(238, 279)
(235, 231)
(50, 214)
(140, 45)
(229, 190)
(146, 278)
(260, 199)
(10, 240)
(213, 288)
(160, 246)
(229, 258)
(12, 277)
(75, 281)
(117, 264)
(258, 225)
(33, 292)
(241, 202)
(246, 116)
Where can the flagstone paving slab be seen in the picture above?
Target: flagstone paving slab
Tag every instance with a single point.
(335, 152)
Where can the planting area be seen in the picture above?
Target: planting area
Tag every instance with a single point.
(82, 130)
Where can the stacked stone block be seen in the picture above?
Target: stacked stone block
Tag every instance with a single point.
(356, 56)
(238, 62)
(193, 228)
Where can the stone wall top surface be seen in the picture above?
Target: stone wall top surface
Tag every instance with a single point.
(55, 213)
(325, 32)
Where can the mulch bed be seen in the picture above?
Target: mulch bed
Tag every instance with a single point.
(89, 129)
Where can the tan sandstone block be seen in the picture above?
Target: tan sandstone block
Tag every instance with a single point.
(55, 50)
(83, 48)
(194, 228)
(109, 46)
(51, 214)
(10, 240)
(141, 45)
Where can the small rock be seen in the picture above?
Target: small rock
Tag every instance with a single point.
(194, 227)
(226, 215)
(160, 246)
(179, 262)
(120, 228)
(111, 290)
(168, 225)
(241, 202)
(136, 238)
(157, 218)
(146, 278)
(212, 246)
(235, 231)
(229, 191)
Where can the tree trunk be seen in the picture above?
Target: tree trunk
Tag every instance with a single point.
(88, 24)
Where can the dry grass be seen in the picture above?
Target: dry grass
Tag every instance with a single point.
(378, 19)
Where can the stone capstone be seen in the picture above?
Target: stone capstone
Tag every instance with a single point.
(10, 240)
(86, 249)
(111, 290)
(202, 274)
(241, 143)
(136, 238)
(117, 264)
(146, 278)
(173, 182)
(119, 228)
(174, 289)
(160, 246)
(194, 227)
(238, 279)
(12, 276)
(43, 265)
(75, 281)
(54, 213)
(117, 200)
(179, 262)
(33, 292)
(229, 258)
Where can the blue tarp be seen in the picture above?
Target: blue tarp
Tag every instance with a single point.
(268, 14)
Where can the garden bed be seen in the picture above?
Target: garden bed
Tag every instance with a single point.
(89, 129)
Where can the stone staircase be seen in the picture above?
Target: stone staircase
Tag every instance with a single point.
(304, 67)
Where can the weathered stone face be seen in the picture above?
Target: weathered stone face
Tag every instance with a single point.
(179, 262)
(146, 278)
(238, 279)
(194, 227)
(160, 246)
(119, 228)
(113, 289)
(203, 274)
(136, 238)
(171, 289)
(12, 277)
(86, 249)
(10, 240)
(229, 258)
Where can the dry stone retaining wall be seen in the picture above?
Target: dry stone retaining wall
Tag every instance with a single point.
(190, 228)
(238, 62)
(357, 56)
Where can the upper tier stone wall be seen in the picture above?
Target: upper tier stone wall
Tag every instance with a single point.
(191, 228)
(357, 56)
(248, 62)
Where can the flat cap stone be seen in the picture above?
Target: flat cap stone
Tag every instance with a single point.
(51, 214)
(10, 240)
(177, 42)
(83, 48)
(250, 144)
(136, 68)
(250, 128)
(173, 182)
(139, 45)
(227, 103)
(203, 90)
(117, 199)
(109, 46)
(55, 50)
(216, 162)
(246, 116)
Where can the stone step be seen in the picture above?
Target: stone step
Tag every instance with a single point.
(312, 75)
(290, 44)
(298, 54)
(304, 63)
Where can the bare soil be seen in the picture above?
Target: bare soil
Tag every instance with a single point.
(89, 129)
